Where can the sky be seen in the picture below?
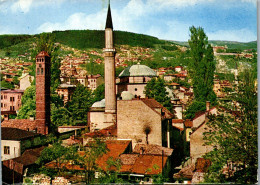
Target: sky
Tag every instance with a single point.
(232, 20)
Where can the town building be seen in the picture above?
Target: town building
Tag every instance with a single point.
(94, 81)
(65, 91)
(13, 142)
(11, 100)
(134, 79)
(25, 81)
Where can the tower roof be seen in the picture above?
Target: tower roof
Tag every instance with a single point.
(43, 54)
(109, 23)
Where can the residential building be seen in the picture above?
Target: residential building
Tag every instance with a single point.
(11, 100)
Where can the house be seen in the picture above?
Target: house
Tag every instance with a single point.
(134, 79)
(94, 81)
(25, 81)
(11, 100)
(65, 91)
(13, 142)
(18, 166)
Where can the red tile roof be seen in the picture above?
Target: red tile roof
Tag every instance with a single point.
(23, 124)
(105, 132)
(115, 148)
(188, 123)
(152, 149)
(16, 134)
(42, 54)
(177, 120)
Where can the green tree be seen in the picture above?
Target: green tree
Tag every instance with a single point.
(79, 105)
(58, 154)
(87, 161)
(28, 108)
(235, 137)
(99, 93)
(5, 84)
(156, 89)
(201, 66)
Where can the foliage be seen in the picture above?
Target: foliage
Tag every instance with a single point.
(94, 68)
(202, 66)
(87, 161)
(80, 102)
(193, 108)
(60, 116)
(5, 84)
(58, 154)
(155, 88)
(28, 108)
(235, 138)
(99, 93)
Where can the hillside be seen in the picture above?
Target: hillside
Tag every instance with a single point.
(229, 44)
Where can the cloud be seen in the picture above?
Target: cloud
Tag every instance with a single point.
(76, 21)
(22, 5)
(242, 35)
(26, 5)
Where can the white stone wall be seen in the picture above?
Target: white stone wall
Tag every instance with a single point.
(15, 149)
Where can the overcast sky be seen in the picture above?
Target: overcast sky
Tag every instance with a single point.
(233, 20)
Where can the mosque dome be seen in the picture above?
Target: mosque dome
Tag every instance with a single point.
(137, 70)
(126, 95)
(99, 104)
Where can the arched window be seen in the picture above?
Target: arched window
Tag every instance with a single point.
(38, 71)
(42, 71)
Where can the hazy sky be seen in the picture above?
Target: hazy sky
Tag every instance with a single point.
(234, 20)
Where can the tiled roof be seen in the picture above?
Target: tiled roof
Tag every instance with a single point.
(12, 91)
(177, 120)
(149, 164)
(188, 123)
(115, 148)
(23, 124)
(16, 134)
(152, 149)
(29, 156)
(43, 54)
(105, 132)
(152, 103)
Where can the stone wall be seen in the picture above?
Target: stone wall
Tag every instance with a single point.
(133, 116)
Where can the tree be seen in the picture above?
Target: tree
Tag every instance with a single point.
(87, 161)
(235, 137)
(99, 93)
(155, 88)
(79, 105)
(58, 154)
(28, 108)
(201, 66)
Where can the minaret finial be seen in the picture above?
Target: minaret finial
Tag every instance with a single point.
(109, 23)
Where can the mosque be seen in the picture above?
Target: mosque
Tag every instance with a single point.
(132, 115)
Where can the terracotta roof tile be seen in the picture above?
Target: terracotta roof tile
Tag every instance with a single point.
(188, 123)
(152, 149)
(16, 134)
(177, 120)
(43, 54)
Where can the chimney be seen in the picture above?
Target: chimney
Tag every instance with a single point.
(207, 106)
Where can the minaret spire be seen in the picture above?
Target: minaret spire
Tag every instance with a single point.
(109, 23)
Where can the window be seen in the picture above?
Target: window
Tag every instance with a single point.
(41, 71)
(11, 108)
(5, 96)
(38, 71)
(1, 97)
(135, 89)
(6, 149)
(11, 98)
(1, 104)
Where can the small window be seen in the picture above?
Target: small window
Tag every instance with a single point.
(7, 150)
(11, 108)
(5, 96)
(135, 89)
(1, 105)
(38, 71)
(41, 71)
(11, 99)
(1, 97)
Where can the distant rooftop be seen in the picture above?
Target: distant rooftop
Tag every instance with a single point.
(16, 134)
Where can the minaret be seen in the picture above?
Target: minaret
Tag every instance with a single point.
(43, 77)
(109, 56)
